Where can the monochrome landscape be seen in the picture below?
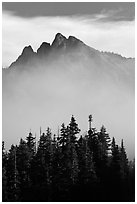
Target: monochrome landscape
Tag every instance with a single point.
(68, 122)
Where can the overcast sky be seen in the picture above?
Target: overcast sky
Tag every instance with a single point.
(105, 26)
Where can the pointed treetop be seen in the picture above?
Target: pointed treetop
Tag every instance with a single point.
(113, 141)
(40, 131)
(90, 118)
(58, 133)
(73, 126)
(122, 144)
(103, 129)
(72, 119)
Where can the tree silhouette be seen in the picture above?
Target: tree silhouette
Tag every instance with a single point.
(67, 167)
(4, 173)
(123, 162)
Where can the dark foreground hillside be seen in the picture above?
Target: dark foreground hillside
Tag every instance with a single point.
(67, 167)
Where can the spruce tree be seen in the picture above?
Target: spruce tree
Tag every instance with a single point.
(4, 174)
(31, 143)
(87, 172)
(13, 175)
(73, 130)
(44, 157)
(115, 161)
(49, 156)
(23, 163)
(39, 167)
(103, 150)
(63, 135)
(105, 142)
(123, 162)
(93, 143)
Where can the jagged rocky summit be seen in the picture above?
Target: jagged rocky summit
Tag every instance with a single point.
(59, 44)
(71, 53)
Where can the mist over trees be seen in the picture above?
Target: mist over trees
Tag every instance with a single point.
(68, 167)
(50, 77)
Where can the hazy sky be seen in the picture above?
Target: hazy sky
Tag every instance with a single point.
(105, 26)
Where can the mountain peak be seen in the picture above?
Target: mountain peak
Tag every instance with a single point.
(59, 41)
(43, 49)
(27, 53)
(59, 35)
(73, 41)
(27, 50)
(25, 56)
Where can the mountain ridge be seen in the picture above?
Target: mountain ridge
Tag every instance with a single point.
(60, 44)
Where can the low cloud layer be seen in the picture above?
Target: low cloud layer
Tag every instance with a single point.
(95, 30)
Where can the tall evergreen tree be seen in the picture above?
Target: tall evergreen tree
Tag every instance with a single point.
(23, 163)
(12, 175)
(4, 174)
(93, 143)
(104, 141)
(31, 143)
(44, 157)
(123, 162)
(49, 156)
(87, 172)
(63, 135)
(38, 164)
(73, 129)
(103, 150)
(115, 162)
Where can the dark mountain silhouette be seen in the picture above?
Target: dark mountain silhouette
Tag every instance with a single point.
(26, 55)
(59, 44)
(43, 49)
(73, 52)
(66, 46)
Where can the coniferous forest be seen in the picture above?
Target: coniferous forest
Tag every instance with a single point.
(68, 167)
